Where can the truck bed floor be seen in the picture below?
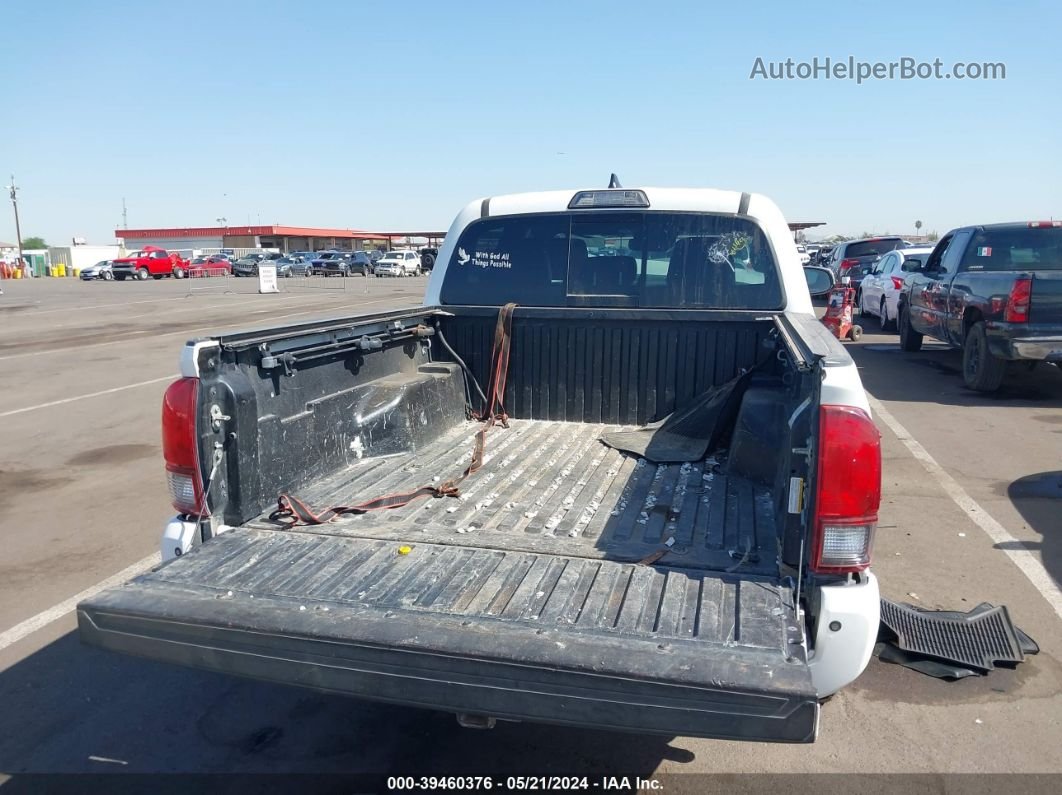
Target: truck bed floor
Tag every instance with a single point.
(553, 487)
(539, 611)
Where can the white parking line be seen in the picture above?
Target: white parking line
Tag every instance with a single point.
(111, 391)
(43, 619)
(1020, 555)
(135, 336)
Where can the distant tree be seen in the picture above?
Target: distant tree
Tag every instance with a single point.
(33, 243)
(932, 237)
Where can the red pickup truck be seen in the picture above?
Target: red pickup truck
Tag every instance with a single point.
(150, 261)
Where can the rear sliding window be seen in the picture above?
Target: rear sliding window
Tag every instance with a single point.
(869, 248)
(1014, 249)
(617, 258)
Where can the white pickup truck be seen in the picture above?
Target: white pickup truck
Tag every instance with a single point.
(480, 515)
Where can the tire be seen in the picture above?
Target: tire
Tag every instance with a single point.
(108, 276)
(883, 317)
(309, 271)
(178, 273)
(982, 370)
(910, 340)
(855, 333)
(344, 272)
(142, 274)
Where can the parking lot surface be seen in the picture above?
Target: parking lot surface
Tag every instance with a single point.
(971, 513)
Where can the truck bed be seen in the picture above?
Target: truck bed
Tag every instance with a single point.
(555, 488)
(540, 610)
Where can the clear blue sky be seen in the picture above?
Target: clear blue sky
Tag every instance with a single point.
(393, 115)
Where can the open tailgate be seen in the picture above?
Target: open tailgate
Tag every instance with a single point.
(514, 635)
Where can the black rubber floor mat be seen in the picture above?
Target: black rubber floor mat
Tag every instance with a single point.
(930, 666)
(978, 639)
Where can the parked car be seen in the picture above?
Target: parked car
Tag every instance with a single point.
(802, 251)
(427, 258)
(822, 257)
(398, 263)
(856, 275)
(994, 292)
(375, 254)
(721, 597)
(364, 261)
(292, 265)
(850, 253)
(879, 292)
(342, 263)
(247, 265)
(149, 262)
(211, 265)
(101, 270)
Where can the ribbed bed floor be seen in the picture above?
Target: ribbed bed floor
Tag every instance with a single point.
(554, 487)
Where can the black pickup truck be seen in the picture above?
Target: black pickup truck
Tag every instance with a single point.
(995, 292)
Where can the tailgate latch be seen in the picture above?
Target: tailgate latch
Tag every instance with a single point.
(216, 418)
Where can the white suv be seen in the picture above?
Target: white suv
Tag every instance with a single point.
(398, 263)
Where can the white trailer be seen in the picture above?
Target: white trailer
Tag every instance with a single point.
(76, 258)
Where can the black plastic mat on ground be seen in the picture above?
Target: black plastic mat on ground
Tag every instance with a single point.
(950, 644)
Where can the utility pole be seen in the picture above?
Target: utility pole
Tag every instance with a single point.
(18, 229)
(125, 217)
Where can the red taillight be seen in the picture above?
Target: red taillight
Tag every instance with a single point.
(180, 447)
(1044, 224)
(897, 282)
(1017, 310)
(847, 265)
(848, 490)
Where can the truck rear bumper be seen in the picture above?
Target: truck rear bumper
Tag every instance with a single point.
(1047, 349)
(647, 669)
(846, 628)
(1024, 342)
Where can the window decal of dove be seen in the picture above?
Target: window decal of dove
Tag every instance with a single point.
(462, 257)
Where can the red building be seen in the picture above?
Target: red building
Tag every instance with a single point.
(284, 238)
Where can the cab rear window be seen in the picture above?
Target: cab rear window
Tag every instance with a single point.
(615, 258)
(869, 248)
(1014, 249)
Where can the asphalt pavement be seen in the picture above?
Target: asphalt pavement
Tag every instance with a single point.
(971, 513)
